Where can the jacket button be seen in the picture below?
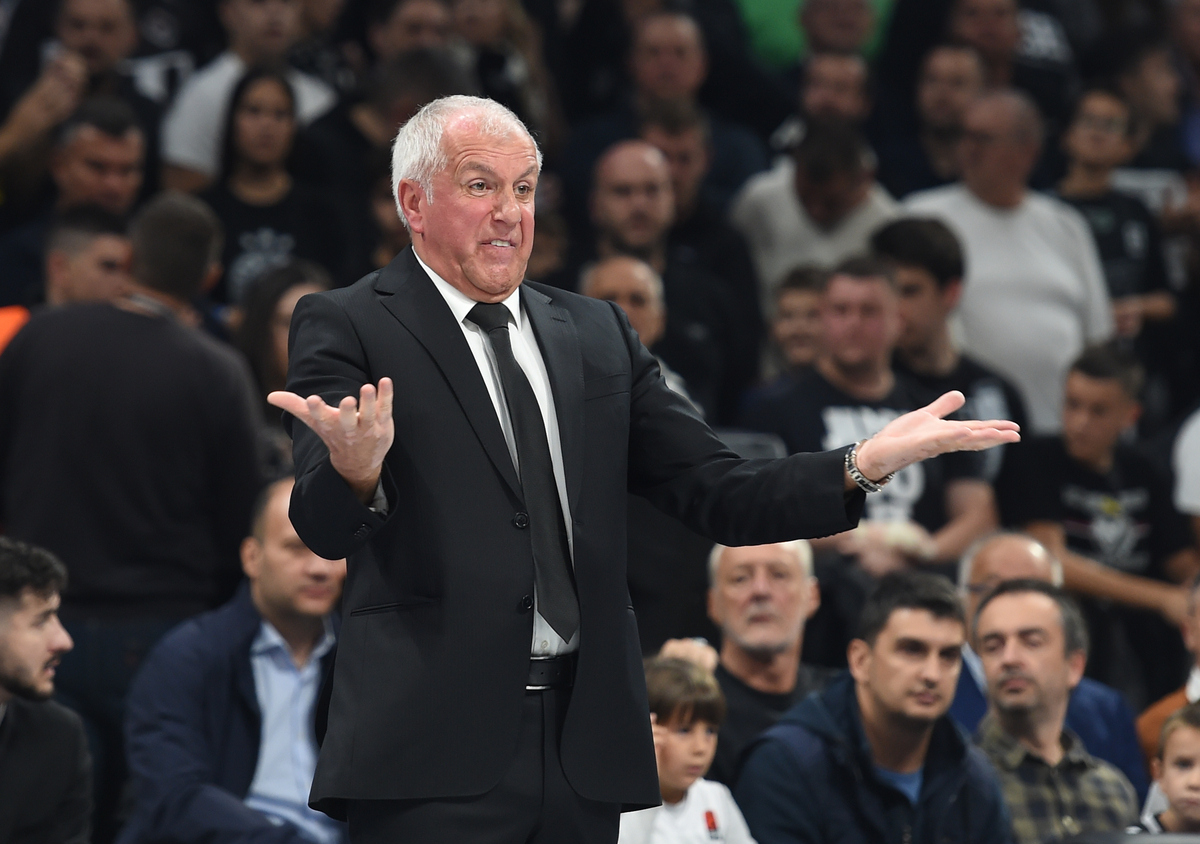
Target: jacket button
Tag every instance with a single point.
(521, 520)
(526, 603)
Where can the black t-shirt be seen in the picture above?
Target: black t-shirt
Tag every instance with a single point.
(1123, 518)
(259, 238)
(813, 415)
(988, 397)
(1129, 241)
(749, 713)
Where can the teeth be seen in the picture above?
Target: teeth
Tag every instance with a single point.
(500, 243)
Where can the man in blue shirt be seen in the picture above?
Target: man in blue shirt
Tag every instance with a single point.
(220, 728)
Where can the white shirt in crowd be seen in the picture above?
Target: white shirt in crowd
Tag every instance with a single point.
(1034, 292)
(194, 127)
(782, 236)
(1187, 467)
(706, 814)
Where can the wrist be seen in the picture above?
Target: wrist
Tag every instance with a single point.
(866, 475)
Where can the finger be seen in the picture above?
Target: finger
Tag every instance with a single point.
(348, 414)
(290, 402)
(366, 406)
(946, 403)
(386, 393)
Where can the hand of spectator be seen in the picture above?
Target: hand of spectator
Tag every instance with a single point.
(882, 547)
(358, 433)
(923, 433)
(1128, 313)
(48, 102)
(1174, 606)
(693, 650)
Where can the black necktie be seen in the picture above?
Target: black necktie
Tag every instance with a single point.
(553, 577)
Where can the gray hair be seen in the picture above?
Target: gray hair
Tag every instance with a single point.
(967, 561)
(799, 548)
(418, 154)
(656, 282)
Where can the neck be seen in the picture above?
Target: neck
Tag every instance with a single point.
(1084, 180)
(896, 744)
(1000, 197)
(997, 73)
(135, 301)
(1172, 821)
(773, 674)
(655, 254)
(869, 382)
(300, 633)
(260, 185)
(252, 57)
(1099, 464)
(941, 148)
(1038, 732)
(671, 796)
(938, 357)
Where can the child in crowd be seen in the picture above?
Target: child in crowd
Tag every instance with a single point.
(686, 708)
(1177, 772)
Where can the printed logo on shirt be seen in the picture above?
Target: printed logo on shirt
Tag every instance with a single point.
(987, 401)
(845, 425)
(1113, 531)
(262, 250)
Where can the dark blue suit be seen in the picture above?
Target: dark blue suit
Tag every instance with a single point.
(1097, 714)
(193, 728)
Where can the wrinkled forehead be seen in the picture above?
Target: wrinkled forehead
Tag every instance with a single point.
(470, 132)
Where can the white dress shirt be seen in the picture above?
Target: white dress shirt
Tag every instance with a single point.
(529, 357)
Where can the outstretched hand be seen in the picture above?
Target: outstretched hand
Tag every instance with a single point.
(358, 433)
(924, 433)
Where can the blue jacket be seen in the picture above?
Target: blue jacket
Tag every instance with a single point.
(192, 732)
(810, 779)
(1097, 713)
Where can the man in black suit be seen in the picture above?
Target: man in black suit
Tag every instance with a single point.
(45, 770)
(489, 684)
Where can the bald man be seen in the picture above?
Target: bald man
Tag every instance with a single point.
(632, 209)
(1097, 713)
(1034, 293)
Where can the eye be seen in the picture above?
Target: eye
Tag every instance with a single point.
(524, 190)
(478, 184)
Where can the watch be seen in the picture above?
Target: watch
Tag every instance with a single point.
(864, 483)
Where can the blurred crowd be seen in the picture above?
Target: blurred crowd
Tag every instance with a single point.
(817, 214)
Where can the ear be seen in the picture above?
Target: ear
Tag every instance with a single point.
(814, 597)
(212, 276)
(858, 656)
(1156, 768)
(952, 293)
(251, 553)
(56, 267)
(1076, 662)
(412, 204)
(1133, 414)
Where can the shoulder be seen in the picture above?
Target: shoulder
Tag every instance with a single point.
(210, 637)
(1046, 210)
(934, 200)
(47, 728)
(210, 82)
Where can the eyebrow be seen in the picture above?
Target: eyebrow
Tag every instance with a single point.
(483, 168)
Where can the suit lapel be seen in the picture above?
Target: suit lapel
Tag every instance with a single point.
(408, 293)
(559, 343)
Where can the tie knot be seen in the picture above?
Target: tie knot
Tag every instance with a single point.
(490, 316)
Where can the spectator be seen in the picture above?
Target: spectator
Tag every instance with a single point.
(1150, 722)
(262, 336)
(44, 760)
(796, 325)
(1032, 642)
(1174, 770)
(874, 757)
(1184, 29)
(632, 211)
(818, 207)
(1102, 508)
(668, 61)
(833, 88)
(1034, 294)
(97, 160)
(684, 136)
(931, 514)
(260, 33)
(1186, 461)
(760, 598)
(1147, 77)
(1097, 713)
(395, 27)
(322, 52)
(951, 78)
(157, 477)
(686, 710)
(269, 217)
(927, 262)
(221, 730)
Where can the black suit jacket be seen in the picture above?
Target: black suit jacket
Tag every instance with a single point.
(437, 616)
(45, 775)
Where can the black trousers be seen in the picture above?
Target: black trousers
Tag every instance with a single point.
(533, 803)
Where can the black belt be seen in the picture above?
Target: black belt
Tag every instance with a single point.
(551, 672)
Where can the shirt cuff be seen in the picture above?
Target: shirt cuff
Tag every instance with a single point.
(379, 504)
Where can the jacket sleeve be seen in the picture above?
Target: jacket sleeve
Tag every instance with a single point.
(779, 804)
(991, 824)
(73, 814)
(172, 764)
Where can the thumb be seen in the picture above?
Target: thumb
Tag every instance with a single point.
(946, 404)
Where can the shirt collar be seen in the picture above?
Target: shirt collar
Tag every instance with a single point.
(1192, 690)
(974, 665)
(1009, 753)
(461, 304)
(269, 639)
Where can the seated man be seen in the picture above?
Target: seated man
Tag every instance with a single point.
(1097, 713)
(220, 728)
(874, 757)
(44, 762)
(760, 596)
(1033, 644)
(1102, 508)
(1150, 722)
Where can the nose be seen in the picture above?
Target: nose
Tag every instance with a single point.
(62, 641)
(508, 210)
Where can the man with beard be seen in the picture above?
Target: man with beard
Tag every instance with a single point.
(1032, 641)
(874, 757)
(44, 762)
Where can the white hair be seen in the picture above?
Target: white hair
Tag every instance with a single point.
(798, 548)
(967, 561)
(418, 154)
(656, 282)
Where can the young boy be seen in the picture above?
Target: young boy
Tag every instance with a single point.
(686, 708)
(1177, 773)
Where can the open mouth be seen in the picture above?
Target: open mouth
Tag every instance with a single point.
(502, 243)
